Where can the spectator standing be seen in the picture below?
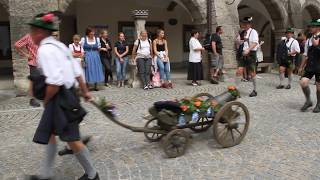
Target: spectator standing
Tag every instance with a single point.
(77, 51)
(142, 54)
(161, 52)
(28, 49)
(217, 61)
(121, 49)
(106, 56)
(93, 69)
(195, 70)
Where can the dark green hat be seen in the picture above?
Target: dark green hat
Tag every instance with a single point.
(290, 30)
(44, 22)
(314, 22)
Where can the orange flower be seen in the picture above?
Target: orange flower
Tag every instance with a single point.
(197, 103)
(184, 108)
(232, 88)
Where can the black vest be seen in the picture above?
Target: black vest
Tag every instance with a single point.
(313, 63)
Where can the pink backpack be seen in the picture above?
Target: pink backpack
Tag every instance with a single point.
(156, 79)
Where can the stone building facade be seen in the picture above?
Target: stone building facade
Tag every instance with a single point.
(272, 17)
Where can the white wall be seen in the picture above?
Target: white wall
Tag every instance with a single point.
(102, 12)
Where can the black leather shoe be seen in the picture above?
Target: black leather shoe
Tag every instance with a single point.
(85, 177)
(34, 103)
(253, 94)
(317, 109)
(306, 105)
(280, 87)
(34, 177)
(288, 87)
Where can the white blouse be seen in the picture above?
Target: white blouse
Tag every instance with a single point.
(90, 42)
(194, 56)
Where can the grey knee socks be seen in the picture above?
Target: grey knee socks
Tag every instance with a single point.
(46, 166)
(306, 91)
(238, 80)
(281, 78)
(84, 159)
(289, 79)
(254, 81)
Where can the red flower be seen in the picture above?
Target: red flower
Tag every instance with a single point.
(48, 17)
(184, 108)
(232, 88)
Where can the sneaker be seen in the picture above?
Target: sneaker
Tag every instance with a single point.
(317, 109)
(288, 87)
(85, 177)
(150, 86)
(280, 87)
(194, 84)
(34, 103)
(34, 177)
(306, 106)
(145, 88)
(214, 81)
(253, 94)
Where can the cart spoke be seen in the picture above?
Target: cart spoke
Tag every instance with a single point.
(232, 135)
(221, 132)
(238, 131)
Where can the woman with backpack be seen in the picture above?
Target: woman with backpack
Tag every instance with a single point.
(142, 55)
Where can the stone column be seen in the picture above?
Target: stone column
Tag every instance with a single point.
(140, 17)
(21, 12)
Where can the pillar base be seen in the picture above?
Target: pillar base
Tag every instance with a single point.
(134, 81)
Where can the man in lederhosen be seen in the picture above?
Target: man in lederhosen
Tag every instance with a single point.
(287, 64)
(311, 66)
(248, 57)
(61, 72)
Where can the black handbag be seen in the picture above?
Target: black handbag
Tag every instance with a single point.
(70, 104)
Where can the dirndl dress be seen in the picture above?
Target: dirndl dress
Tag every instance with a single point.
(93, 70)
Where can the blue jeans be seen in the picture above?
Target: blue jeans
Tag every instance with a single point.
(121, 68)
(164, 68)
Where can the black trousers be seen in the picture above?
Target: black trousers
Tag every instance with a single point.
(144, 69)
(107, 65)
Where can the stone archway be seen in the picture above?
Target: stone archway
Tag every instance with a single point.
(270, 17)
(310, 10)
(193, 6)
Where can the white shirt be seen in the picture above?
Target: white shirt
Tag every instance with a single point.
(144, 48)
(194, 56)
(56, 63)
(294, 46)
(253, 37)
(306, 46)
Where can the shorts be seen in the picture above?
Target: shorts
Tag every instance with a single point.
(34, 71)
(309, 75)
(217, 61)
(249, 61)
(288, 63)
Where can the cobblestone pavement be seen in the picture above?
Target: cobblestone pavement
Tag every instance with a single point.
(281, 143)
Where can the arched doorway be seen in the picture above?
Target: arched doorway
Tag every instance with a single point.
(310, 10)
(269, 18)
(176, 17)
(6, 71)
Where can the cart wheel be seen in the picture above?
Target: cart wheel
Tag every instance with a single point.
(203, 127)
(153, 137)
(176, 143)
(231, 124)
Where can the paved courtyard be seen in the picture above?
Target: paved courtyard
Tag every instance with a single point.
(281, 143)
